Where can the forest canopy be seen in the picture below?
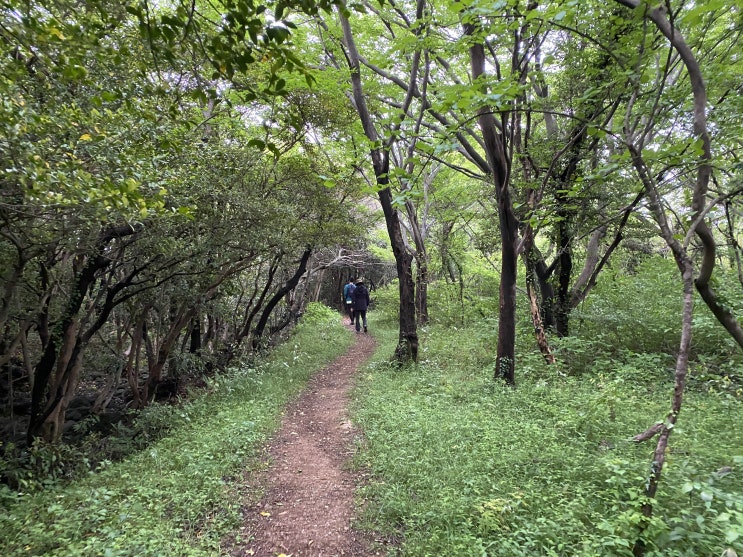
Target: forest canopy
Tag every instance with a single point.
(178, 180)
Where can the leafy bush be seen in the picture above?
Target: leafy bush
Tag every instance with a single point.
(641, 312)
(449, 306)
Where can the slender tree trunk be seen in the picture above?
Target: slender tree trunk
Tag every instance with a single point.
(132, 362)
(444, 252)
(421, 261)
(194, 346)
(273, 302)
(536, 319)
(179, 322)
(686, 268)
(421, 290)
(530, 257)
(407, 348)
(10, 284)
(564, 270)
(734, 247)
(318, 286)
(498, 161)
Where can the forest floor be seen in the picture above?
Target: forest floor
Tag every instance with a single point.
(308, 502)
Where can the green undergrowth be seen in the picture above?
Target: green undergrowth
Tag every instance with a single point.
(181, 496)
(462, 465)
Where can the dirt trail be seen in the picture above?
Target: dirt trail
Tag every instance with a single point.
(309, 504)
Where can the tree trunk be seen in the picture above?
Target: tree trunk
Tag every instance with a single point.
(444, 252)
(498, 161)
(530, 257)
(179, 322)
(734, 246)
(55, 373)
(407, 348)
(407, 345)
(680, 253)
(61, 342)
(273, 302)
(564, 270)
(421, 290)
(194, 346)
(132, 362)
(686, 268)
(421, 260)
(318, 286)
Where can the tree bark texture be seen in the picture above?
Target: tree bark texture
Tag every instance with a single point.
(498, 162)
(421, 261)
(530, 258)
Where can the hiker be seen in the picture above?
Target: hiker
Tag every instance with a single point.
(360, 303)
(348, 297)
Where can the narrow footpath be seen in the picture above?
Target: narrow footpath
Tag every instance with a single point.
(309, 501)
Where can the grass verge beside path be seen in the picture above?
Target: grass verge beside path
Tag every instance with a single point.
(461, 465)
(176, 498)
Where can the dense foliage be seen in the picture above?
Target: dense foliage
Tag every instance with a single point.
(181, 494)
(462, 466)
(156, 223)
(178, 180)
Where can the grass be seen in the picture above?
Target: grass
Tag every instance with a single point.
(180, 496)
(462, 465)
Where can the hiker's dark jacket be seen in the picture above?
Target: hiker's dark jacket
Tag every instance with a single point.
(360, 298)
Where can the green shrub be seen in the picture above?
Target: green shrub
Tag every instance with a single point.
(641, 312)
